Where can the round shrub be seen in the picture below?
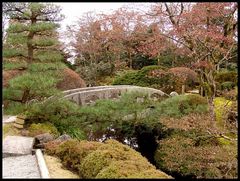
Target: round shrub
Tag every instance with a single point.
(187, 156)
(95, 162)
(72, 152)
(40, 128)
(110, 151)
(89, 159)
(131, 169)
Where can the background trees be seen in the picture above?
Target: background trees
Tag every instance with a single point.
(200, 36)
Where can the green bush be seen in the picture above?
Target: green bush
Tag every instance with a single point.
(227, 85)
(10, 94)
(178, 106)
(226, 76)
(130, 169)
(196, 157)
(14, 108)
(105, 160)
(72, 152)
(14, 65)
(62, 113)
(40, 128)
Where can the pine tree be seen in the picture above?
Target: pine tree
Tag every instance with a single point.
(32, 40)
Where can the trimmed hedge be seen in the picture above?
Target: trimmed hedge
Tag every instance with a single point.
(196, 156)
(110, 159)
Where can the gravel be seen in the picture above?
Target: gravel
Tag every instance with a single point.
(20, 167)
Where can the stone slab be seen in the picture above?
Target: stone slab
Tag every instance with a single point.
(17, 145)
(19, 121)
(20, 167)
(19, 126)
(21, 116)
(9, 119)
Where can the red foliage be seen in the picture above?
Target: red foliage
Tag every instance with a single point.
(203, 65)
(184, 73)
(71, 80)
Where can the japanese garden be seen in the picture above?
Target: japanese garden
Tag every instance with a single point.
(150, 92)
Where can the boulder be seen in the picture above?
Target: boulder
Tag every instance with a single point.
(43, 138)
(63, 137)
(173, 94)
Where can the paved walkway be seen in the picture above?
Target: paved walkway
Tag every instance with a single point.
(20, 167)
(18, 161)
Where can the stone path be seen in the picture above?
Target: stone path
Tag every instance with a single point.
(20, 167)
(18, 161)
(17, 145)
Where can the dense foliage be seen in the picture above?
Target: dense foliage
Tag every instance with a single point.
(110, 159)
(159, 77)
(32, 44)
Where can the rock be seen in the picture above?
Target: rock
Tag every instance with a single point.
(19, 126)
(20, 116)
(9, 119)
(17, 145)
(20, 121)
(173, 94)
(44, 138)
(63, 137)
(24, 132)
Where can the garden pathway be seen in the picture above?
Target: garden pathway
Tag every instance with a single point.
(18, 161)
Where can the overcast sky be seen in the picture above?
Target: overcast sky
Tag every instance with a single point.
(73, 11)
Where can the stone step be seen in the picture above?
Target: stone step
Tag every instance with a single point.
(21, 116)
(19, 126)
(19, 121)
(17, 145)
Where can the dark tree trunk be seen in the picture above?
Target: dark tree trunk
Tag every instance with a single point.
(29, 42)
(25, 96)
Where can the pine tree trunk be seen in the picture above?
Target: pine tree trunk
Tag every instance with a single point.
(30, 49)
(29, 42)
(25, 96)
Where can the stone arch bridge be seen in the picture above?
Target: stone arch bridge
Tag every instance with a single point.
(88, 95)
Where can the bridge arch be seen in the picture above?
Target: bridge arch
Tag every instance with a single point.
(88, 95)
